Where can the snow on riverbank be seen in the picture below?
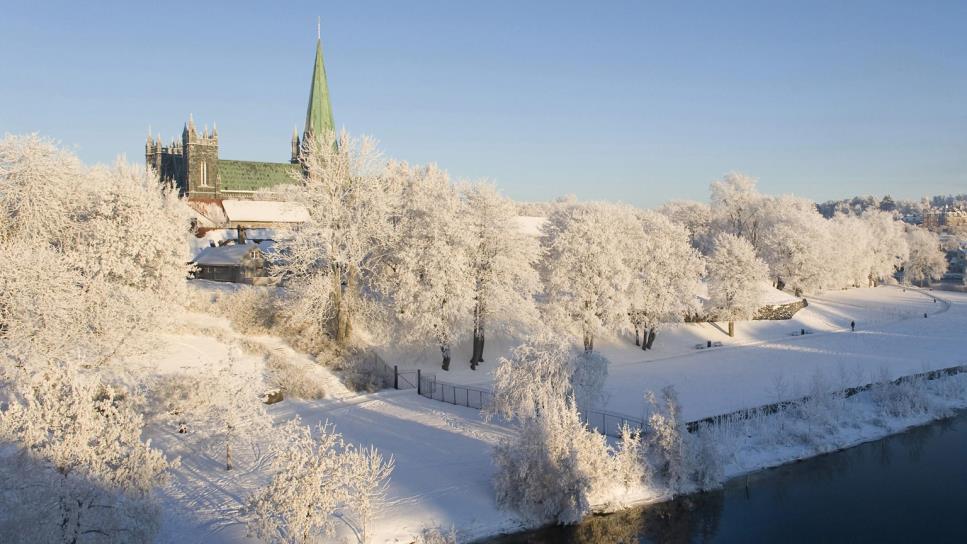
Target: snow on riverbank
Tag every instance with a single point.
(443, 452)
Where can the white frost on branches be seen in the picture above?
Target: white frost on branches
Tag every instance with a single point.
(502, 266)
(101, 253)
(330, 260)
(427, 280)
(319, 481)
(554, 468)
(81, 472)
(734, 275)
(667, 273)
(926, 260)
(588, 270)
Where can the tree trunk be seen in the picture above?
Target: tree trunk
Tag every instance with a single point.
(478, 347)
(478, 337)
(588, 341)
(479, 340)
(228, 456)
(651, 337)
(731, 328)
(336, 279)
(445, 350)
(344, 290)
(637, 336)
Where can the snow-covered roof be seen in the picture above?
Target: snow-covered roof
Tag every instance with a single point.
(264, 211)
(223, 236)
(770, 296)
(208, 214)
(230, 255)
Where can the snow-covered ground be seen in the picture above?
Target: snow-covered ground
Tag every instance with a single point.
(891, 333)
(443, 467)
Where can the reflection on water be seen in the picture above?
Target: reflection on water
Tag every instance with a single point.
(910, 487)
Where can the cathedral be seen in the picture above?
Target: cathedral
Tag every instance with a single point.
(209, 182)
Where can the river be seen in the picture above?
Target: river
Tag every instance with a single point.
(909, 487)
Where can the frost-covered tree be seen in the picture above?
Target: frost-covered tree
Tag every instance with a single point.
(677, 459)
(318, 480)
(39, 182)
(104, 253)
(80, 471)
(849, 255)
(737, 207)
(665, 445)
(502, 266)
(331, 259)
(734, 277)
(694, 216)
(228, 408)
(134, 232)
(308, 488)
(588, 269)
(888, 245)
(554, 468)
(368, 475)
(538, 369)
(796, 245)
(428, 279)
(926, 260)
(666, 274)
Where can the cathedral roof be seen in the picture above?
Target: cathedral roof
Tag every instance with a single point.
(319, 113)
(249, 176)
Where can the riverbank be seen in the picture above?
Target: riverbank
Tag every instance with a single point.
(908, 487)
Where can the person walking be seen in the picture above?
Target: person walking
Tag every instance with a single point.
(852, 326)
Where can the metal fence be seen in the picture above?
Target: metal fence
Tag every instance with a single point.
(610, 423)
(460, 395)
(427, 385)
(375, 365)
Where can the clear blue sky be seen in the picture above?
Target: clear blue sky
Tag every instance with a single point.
(632, 101)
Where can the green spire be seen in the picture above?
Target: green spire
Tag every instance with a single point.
(319, 114)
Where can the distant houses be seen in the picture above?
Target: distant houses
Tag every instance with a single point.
(236, 263)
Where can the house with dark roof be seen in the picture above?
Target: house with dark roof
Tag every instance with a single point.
(236, 263)
(210, 182)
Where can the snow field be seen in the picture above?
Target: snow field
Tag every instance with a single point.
(443, 474)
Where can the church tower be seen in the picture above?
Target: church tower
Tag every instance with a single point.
(200, 160)
(193, 165)
(319, 113)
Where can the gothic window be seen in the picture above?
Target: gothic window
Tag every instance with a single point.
(204, 174)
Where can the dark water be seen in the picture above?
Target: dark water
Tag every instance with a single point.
(910, 487)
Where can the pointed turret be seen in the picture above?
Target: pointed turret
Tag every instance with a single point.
(296, 146)
(319, 113)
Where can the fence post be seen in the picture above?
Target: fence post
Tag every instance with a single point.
(419, 383)
(396, 377)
